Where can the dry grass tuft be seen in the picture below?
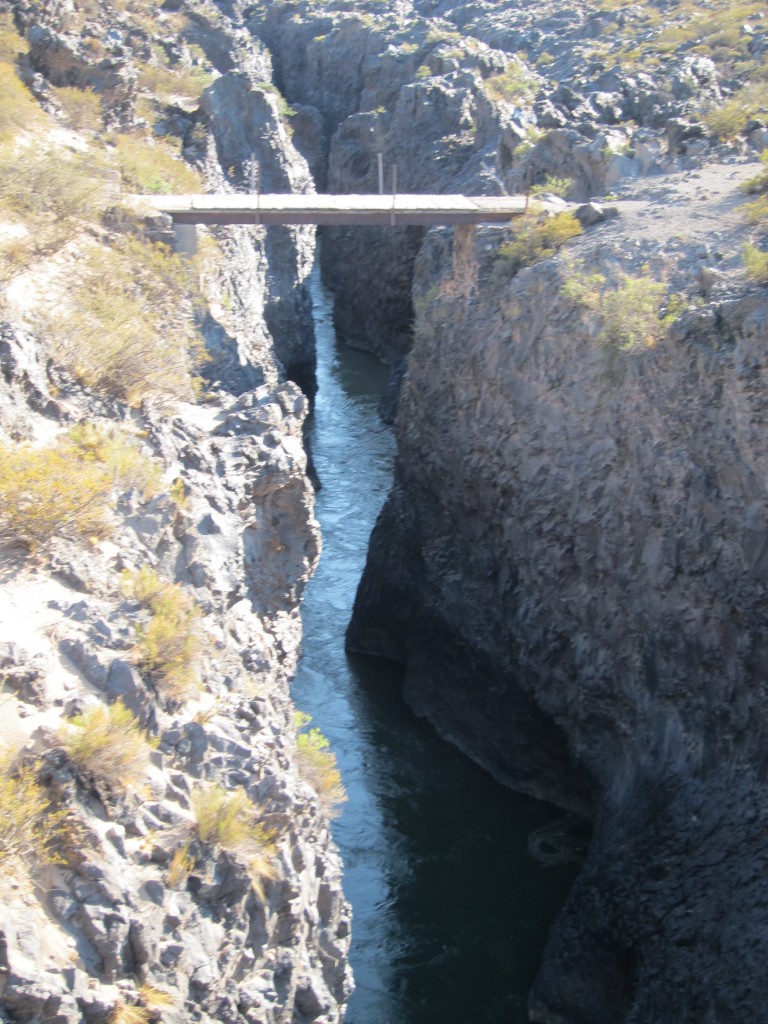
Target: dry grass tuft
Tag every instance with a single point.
(108, 744)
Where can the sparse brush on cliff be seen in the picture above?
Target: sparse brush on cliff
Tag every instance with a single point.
(19, 109)
(169, 644)
(82, 107)
(757, 211)
(175, 83)
(537, 236)
(69, 487)
(230, 819)
(52, 490)
(152, 167)
(120, 454)
(634, 315)
(48, 195)
(729, 118)
(29, 827)
(127, 325)
(554, 185)
(129, 1013)
(514, 85)
(108, 743)
(317, 764)
(12, 45)
(180, 866)
(755, 262)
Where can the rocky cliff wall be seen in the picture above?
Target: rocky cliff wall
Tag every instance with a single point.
(571, 565)
(485, 100)
(141, 913)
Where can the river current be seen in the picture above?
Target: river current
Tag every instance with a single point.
(450, 909)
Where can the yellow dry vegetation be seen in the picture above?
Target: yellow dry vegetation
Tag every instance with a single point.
(231, 820)
(127, 327)
(108, 743)
(317, 764)
(29, 827)
(169, 643)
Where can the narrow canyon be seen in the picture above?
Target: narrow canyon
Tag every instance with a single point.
(556, 643)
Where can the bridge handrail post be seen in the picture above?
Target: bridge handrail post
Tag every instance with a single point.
(392, 215)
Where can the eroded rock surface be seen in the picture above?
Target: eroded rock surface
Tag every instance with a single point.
(571, 565)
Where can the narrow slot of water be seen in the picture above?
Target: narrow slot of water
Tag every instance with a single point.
(450, 909)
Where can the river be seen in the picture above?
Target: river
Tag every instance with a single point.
(450, 910)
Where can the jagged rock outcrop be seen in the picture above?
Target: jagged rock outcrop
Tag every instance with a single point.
(485, 99)
(141, 912)
(571, 566)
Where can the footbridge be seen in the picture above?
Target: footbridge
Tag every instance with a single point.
(396, 210)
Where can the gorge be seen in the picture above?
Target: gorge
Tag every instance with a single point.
(568, 573)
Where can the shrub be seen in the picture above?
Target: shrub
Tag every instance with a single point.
(180, 867)
(515, 85)
(155, 998)
(317, 764)
(108, 743)
(634, 315)
(759, 183)
(120, 455)
(757, 211)
(755, 263)
(230, 819)
(82, 107)
(52, 490)
(556, 186)
(128, 329)
(35, 183)
(127, 1013)
(29, 828)
(730, 117)
(19, 109)
(537, 237)
(181, 83)
(12, 45)
(151, 167)
(169, 644)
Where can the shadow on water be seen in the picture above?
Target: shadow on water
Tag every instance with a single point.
(450, 910)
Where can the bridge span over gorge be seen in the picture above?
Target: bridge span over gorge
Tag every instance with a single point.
(396, 210)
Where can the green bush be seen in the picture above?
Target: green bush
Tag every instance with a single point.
(169, 644)
(108, 744)
(635, 314)
(632, 314)
(537, 237)
(730, 117)
(759, 183)
(556, 186)
(755, 262)
(514, 85)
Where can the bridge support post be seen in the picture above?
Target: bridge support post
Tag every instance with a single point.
(185, 239)
(463, 279)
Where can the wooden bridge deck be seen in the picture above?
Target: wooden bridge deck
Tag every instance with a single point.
(398, 209)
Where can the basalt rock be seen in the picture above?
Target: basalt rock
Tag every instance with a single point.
(571, 567)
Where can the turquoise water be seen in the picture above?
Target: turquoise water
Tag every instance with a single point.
(450, 911)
